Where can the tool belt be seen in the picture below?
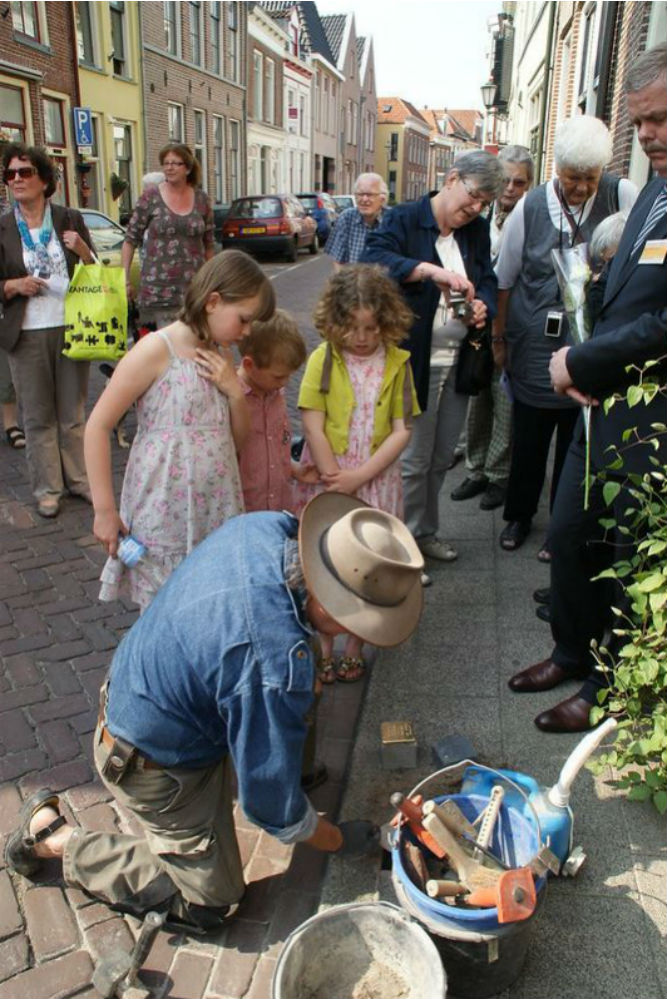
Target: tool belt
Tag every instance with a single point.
(123, 756)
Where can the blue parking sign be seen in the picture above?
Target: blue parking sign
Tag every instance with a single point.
(83, 126)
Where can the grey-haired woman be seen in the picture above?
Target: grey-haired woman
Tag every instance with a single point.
(556, 215)
(435, 247)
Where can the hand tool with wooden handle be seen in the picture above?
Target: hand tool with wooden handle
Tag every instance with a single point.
(452, 816)
(471, 873)
(413, 813)
(445, 889)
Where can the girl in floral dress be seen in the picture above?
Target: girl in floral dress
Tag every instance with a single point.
(357, 400)
(182, 478)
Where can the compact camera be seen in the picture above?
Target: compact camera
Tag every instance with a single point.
(553, 324)
(461, 308)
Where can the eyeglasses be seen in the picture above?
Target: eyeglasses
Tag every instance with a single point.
(22, 172)
(476, 195)
(168, 163)
(367, 194)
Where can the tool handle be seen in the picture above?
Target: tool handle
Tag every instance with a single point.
(444, 889)
(413, 813)
(150, 928)
(489, 821)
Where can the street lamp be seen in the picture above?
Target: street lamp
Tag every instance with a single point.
(489, 94)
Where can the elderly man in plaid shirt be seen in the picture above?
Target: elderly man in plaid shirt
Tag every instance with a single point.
(348, 237)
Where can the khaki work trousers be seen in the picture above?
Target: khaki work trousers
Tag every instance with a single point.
(53, 392)
(189, 843)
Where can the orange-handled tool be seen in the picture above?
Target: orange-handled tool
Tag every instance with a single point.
(413, 813)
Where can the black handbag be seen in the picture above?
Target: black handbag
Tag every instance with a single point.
(474, 367)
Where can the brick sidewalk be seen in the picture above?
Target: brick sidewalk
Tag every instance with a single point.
(56, 642)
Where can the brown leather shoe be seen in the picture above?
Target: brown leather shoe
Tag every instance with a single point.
(542, 676)
(571, 715)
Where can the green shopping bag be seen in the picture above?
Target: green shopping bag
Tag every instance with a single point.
(96, 313)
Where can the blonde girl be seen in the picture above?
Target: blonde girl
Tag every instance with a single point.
(182, 477)
(357, 401)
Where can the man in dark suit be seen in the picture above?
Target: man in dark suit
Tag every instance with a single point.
(631, 329)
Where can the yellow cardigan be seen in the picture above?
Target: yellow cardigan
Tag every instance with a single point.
(337, 399)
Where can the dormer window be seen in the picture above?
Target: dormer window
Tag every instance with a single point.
(387, 108)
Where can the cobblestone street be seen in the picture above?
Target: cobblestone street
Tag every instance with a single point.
(56, 642)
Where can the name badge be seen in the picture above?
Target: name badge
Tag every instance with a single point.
(654, 252)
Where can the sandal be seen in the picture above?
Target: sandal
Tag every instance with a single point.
(326, 670)
(514, 535)
(544, 555)
(15, 437)
(20, 856)
(350, 669)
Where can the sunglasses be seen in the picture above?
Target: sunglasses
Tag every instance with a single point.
(22, 172)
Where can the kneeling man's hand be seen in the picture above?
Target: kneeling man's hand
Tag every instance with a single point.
(360, 838)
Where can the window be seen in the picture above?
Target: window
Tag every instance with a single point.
(534, 121)
(117, 12)
(355, 123)
(348, 129)
(200, 145)
(232, 42)
(585, 58)
(292, 114)
(12, 115)
(270, 97)
(257, 85)
(219, 157)
(393, 146)
(294, 39)
(90, 183)
(214, 26)
(85, 33)
(196, 26)
(234, 158)
(303, 121)
(175, 122)
(172, 38)
(25, 20)
(54, 126)
(122, 145)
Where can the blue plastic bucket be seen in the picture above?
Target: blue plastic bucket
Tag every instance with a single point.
(481, 956)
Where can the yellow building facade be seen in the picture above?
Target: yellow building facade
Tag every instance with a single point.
(110, 84)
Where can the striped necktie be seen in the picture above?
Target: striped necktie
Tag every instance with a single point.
(659, 208)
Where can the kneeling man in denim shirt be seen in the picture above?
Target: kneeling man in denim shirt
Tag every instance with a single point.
(217, 676)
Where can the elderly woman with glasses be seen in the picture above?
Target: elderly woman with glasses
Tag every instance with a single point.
(434, 248)
(176, 218)
(556, 215)
(40, 244)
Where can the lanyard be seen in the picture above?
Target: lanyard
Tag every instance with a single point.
(575, 224)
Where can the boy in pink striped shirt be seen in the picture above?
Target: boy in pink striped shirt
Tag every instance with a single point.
(270, 354)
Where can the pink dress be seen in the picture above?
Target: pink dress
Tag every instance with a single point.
(182, 478)
(385, 491)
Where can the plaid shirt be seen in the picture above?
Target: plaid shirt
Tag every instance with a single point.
(348, 237)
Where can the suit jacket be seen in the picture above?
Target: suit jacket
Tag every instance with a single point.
(407, 236)
(11, 266)
(631, 329)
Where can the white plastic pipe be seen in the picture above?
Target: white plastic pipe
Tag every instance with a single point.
(559, 794)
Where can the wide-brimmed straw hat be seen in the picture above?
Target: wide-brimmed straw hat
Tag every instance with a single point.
(363, 566)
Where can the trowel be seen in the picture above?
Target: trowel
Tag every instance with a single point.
(550, 805)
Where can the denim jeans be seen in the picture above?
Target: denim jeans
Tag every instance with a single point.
(430, 452)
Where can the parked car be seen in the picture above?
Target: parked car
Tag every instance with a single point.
(343, 201)
(220, 213)
(322, 207)
(270, 223)
(108, 237)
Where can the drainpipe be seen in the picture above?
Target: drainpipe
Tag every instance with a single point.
(548, 77)
(78, 174)
(144, 116)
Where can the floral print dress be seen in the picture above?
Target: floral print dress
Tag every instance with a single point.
(182, 478)
(385, 491)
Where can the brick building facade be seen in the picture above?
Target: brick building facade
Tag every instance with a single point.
(38, 83)
(194, 76)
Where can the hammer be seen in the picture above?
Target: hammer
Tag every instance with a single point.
(116, 973)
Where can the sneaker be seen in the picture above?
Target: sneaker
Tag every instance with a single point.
(494, 496)
(437, 549)
(470, 487)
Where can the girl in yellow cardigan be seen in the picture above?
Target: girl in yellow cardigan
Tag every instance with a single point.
(357, 400)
